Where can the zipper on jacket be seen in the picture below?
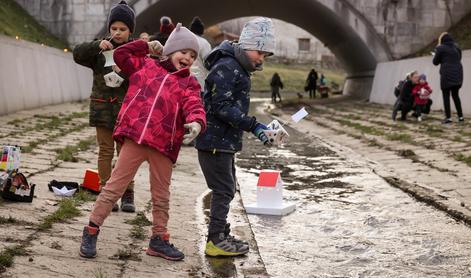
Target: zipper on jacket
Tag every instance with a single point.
(152, 109)
(124, 112)
(174, 128)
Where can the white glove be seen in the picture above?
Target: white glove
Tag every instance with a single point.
(155, 47)
(194, 129)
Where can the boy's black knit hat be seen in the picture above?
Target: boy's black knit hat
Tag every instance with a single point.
(197, 26)
(122, 12)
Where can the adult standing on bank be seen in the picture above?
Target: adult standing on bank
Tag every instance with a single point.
(448, 56)
(311, 83)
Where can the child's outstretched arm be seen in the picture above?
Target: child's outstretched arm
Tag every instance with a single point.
(85, 53)
(131, 57)
(222, 99)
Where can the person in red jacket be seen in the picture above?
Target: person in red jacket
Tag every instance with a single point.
(162, 101)
(421, 93)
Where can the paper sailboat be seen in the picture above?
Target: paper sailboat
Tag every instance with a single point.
(64, 192)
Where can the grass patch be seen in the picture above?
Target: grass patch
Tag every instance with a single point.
(98, 273)
(362, 128)
(7, 256)
(125, 255)
(463, 158)
(67, 210)
(403, 137)
(434, 131)
(15, 21)
(138, 222)
(68, 153)
(374, 143)
(12, 220)
(49, 122)
(293, 76)
(458, 138)
(408, 154)
(84, 196)
(137, 232)
(15, 122)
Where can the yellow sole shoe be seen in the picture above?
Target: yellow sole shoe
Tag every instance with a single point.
(214, 251)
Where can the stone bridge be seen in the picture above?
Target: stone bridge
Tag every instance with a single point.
(360, 33)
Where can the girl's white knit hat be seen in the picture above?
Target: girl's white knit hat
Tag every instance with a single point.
(181, 38)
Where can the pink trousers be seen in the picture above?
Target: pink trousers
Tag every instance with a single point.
(130, 158)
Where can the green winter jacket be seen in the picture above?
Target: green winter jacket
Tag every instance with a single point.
(105, 102)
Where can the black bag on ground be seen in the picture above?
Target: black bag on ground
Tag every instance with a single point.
(60, 184)
(15, 187)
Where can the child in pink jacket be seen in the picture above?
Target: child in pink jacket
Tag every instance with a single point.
(421, 93)
(162, 101)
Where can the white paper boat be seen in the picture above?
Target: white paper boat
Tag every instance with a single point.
(64, 192)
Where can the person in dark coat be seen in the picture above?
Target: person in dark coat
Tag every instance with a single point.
(448, 56)
(311, 83)
(227, 99)
(276, 85)
(405, 100)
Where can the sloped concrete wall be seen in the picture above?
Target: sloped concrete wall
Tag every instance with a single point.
(32, 76)
(389, 73)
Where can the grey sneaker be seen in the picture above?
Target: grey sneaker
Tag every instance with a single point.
(222, 245)
(227, 234)
(88, 245)
(161, 247)
(127, 201)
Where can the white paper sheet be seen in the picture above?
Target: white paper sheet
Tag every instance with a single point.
(298, 116)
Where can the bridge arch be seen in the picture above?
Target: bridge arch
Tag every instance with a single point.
(337, 24)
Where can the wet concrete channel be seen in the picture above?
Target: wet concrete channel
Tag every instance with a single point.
(349, 222)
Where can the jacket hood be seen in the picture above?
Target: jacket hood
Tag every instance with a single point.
(226, 48)
(447, 39)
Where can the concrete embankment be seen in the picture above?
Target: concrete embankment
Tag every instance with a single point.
(32, 75)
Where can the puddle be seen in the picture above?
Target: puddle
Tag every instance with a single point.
(348, 221)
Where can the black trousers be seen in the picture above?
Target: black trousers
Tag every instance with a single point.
(419, 109)
(220, 174)
(454, 91)
(312, 93)
(275, 92)
(404, 106)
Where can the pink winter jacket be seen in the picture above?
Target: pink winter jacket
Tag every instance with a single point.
(158, 102)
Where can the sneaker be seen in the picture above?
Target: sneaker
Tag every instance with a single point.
(446, 121)
(227, 234)
(460, 119)
(127, 201)
(115, 207)
(419, 118)
(221, 245)
(88, 245)
(161, 247)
